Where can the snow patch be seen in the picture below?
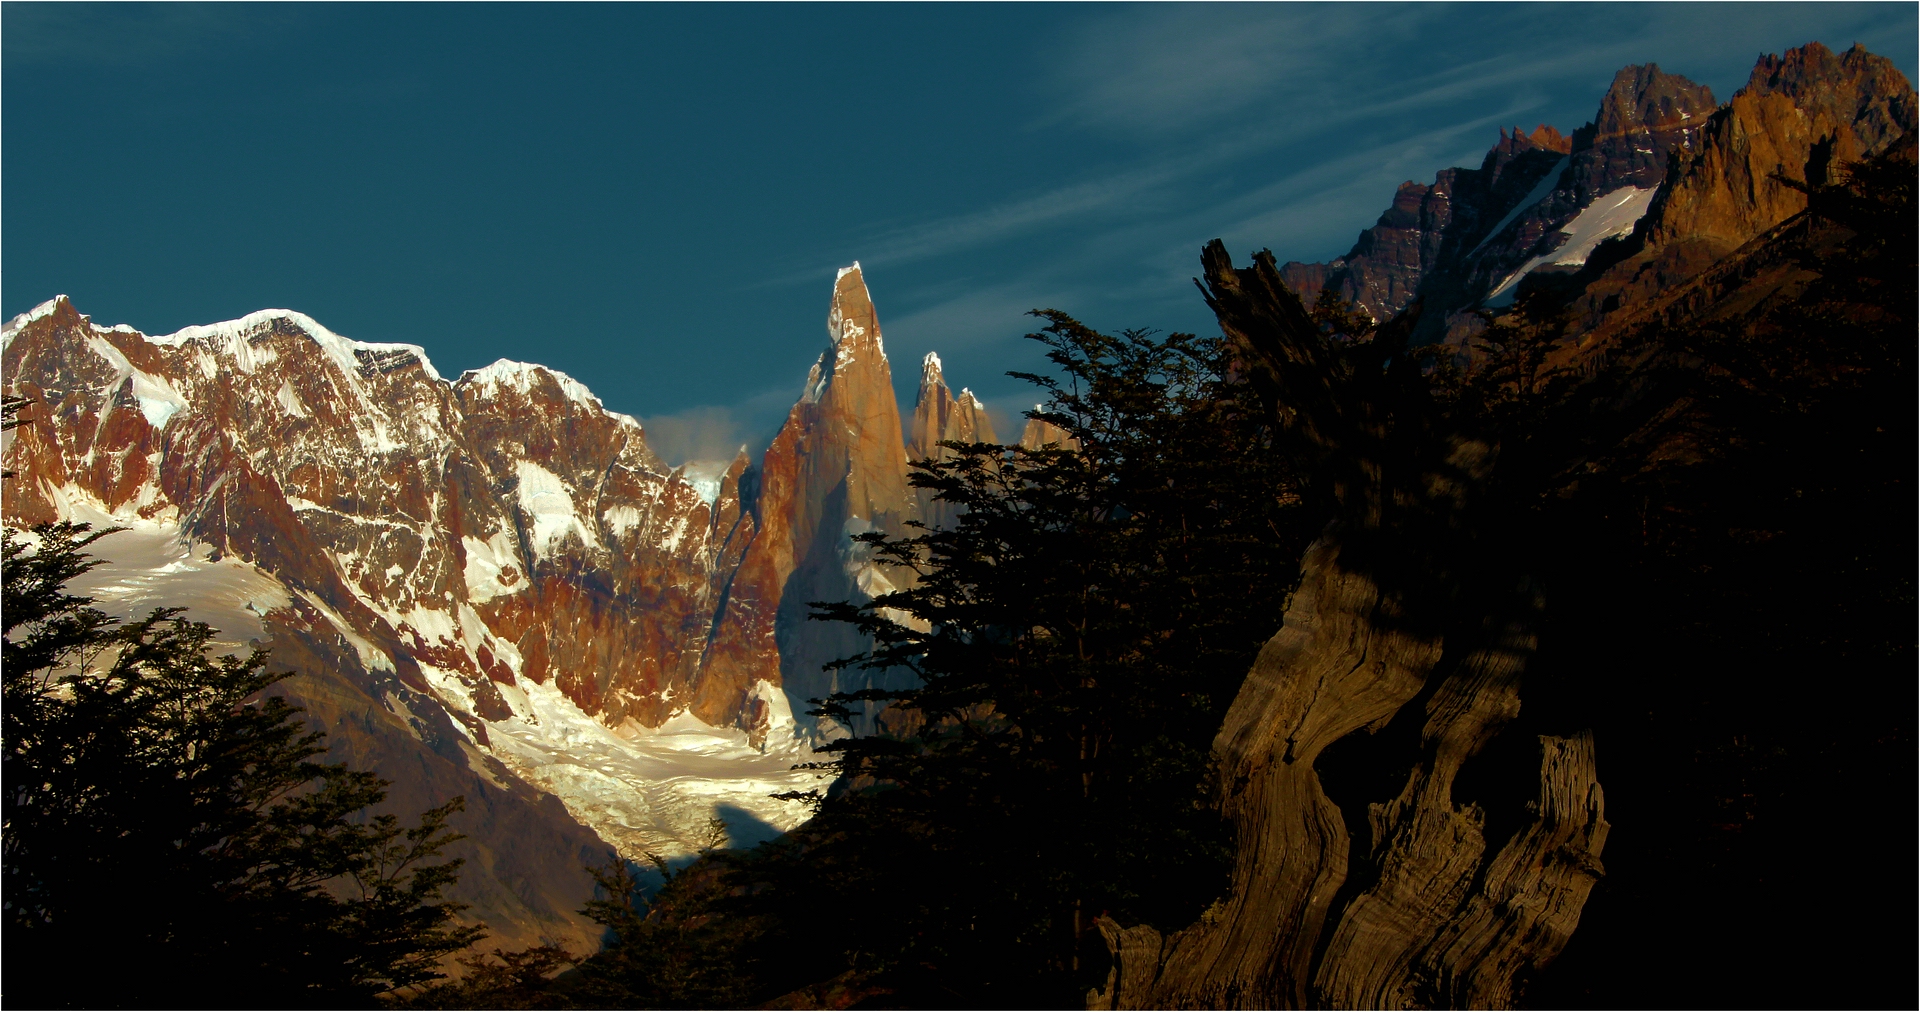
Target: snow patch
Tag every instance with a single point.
(152, 564)
(290, 400)
(232, 336)
(45, 309)
(1534, 196)
(816, 381)
(705, 476)
(450, 688)
(1611, 214)
(652, 789)
(672, 534)
(620, 520)
(843, 334)
(371, 657)
(524, 376)
(432, 626)
(549, 502)
(486, 561)
(157, 398)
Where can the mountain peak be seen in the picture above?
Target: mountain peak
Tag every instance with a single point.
(1857, 88)
(525, 377)
(930, 371)
(350, 355)
(851, 323)
(1645, 98)
(1545, 136)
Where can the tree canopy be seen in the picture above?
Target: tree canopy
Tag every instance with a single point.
(165, 816)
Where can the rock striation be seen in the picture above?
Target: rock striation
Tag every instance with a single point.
(1365, 875)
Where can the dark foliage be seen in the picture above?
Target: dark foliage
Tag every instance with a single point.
(1077, 634)
(686, 946)
(523, 979)
(1734, 614)
(166, 819)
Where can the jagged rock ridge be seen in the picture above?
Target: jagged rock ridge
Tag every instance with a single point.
(940, 416)
(1340, 898)
(489, 586)
(1471, 236)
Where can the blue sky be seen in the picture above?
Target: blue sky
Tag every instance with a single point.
(654, 198)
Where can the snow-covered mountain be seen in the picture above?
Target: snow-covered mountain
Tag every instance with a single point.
(492, 587)
(487, 586)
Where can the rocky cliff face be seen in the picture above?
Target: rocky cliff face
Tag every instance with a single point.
(456, 520)
(1799, 116)
(837, 468)
(489, 586)
(1469, 237)
(325, 473)
(1674, 181)
(1397, 848)
(941, 417)
(1425, 228)
(1041, 434)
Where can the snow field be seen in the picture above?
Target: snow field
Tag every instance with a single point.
(1611, 214)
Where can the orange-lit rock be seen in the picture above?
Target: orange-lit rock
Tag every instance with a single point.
(941, 417)
(837, 468)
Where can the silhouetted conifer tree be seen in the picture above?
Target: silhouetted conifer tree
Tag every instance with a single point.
(169, 839)
(1077, 634)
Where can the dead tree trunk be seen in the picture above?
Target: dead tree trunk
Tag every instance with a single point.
(1401, 652)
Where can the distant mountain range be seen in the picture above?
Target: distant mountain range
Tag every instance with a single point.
(1662, 183)
(491, 586)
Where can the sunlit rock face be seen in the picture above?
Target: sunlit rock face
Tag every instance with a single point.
(1470, 237)
(1662, 183)
(300, 490)
(489, 586)
(1800, 116)
(837, 468)
(941, 417)
(499, 527)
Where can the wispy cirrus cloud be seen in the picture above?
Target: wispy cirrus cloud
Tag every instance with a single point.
(1180, 70)
(1282, 127)
(1299, 106)
(140, 34)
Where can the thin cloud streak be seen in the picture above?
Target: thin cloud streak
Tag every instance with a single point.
(954, 234)
(1139, 228)
(119, 34)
